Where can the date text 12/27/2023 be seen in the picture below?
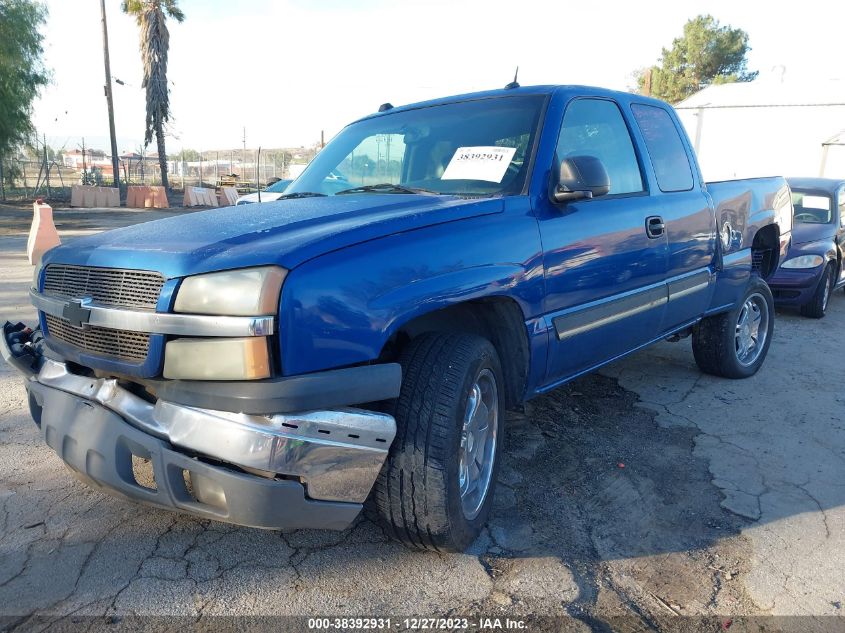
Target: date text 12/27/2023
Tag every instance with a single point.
(415, 624)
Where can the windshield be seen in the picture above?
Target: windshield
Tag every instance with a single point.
(469, 148)
(279, 186)
(812, 208)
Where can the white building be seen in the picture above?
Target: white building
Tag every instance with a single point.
(767, 127)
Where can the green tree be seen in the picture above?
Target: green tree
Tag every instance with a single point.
(188, 155)
(707, 53)
(151, 16)
(22, 72)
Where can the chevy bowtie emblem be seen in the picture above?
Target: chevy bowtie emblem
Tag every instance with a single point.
(75, 313)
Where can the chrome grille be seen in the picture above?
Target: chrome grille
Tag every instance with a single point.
(132, 346)
(133, 289)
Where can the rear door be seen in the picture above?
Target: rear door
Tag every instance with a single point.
(686, 212)
(605, 276)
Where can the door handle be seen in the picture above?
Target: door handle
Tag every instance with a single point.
(654, 226)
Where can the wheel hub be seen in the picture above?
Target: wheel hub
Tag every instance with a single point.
(478, 443)
(752, 328)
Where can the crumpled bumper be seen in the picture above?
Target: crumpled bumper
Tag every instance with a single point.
(287, 471)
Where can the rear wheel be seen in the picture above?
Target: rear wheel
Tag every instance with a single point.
(436, 488)
(817, 306)
(734, 344)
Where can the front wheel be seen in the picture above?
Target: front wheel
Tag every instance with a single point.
(436, 488)
(734, 344)
(817, 306)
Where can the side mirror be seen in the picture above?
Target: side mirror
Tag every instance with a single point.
(581, 177)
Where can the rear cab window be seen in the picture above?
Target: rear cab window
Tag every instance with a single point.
(665, 148)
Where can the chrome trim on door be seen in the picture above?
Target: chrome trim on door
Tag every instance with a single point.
(689, 283)
(606, 311)
(585, 318)
(158, 322)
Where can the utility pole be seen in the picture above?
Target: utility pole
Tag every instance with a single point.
(84, 166)
(114, 157)
(699, 124)
(46, 165)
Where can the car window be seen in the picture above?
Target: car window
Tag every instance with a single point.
(480, 147)
(376, 159)
(665, 148)
(278, 187)
(811, 208)
(595, 127)
(841, 196)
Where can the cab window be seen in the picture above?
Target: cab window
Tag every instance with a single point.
(665, 148)
(595, 127)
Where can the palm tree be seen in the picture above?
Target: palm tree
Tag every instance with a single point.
(151, 16)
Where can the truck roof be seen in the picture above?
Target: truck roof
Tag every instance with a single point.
(623, 97)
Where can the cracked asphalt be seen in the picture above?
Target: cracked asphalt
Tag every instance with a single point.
(627, 500)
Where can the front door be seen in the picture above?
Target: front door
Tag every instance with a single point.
(605, 269)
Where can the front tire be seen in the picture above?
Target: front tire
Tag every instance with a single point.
(734, 344)
(817, 306)
(436, 488)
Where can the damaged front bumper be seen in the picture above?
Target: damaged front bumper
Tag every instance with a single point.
(310, 469)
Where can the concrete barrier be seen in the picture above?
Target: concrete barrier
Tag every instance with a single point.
(42, 234)
(89, 196)
(199, 197)
(228, 196)
(146, 197)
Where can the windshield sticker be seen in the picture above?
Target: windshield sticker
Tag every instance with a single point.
(479, 163)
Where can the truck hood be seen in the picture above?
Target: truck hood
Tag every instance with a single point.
(285, 232)
(803, 233)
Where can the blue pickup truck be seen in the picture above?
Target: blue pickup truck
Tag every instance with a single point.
(279, 364)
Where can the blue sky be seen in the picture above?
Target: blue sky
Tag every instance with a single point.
(287, 69)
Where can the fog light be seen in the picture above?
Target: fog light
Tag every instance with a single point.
(217, 359)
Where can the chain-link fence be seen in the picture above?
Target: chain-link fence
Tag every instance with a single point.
(28, 175)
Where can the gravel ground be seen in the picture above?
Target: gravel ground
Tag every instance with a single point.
(646, 497)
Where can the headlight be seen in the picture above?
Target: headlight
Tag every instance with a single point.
(804, 261)
(217, 359)
(245, 292)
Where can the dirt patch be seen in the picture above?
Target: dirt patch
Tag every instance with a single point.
(623, 505)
